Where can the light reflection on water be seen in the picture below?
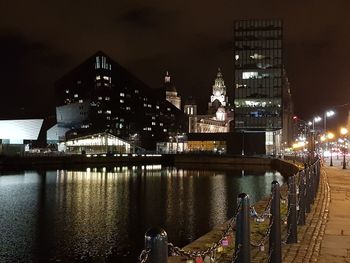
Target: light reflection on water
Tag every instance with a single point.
(101, 214)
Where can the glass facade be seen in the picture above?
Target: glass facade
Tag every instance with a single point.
(258, 74)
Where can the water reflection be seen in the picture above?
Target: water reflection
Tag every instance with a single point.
(101, 214)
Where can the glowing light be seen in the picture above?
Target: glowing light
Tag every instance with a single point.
(317, 119)
(330, 135)
(330, 113)
(343, 131)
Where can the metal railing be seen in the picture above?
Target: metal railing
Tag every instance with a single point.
(302, 190)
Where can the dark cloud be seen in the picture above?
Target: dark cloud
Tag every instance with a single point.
(27, 71)
(140, 17)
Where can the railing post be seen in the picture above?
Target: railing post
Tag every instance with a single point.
(242, 245)
(275, 235)
(156, 240)
(301, 197)
(292, 212)
(315, 181)
(312, 184)
(307, 191)
(318, 174)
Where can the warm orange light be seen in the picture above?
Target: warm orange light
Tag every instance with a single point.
(330, 135)
(323, 138)
(343, 131)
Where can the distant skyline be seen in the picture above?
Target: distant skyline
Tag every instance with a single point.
(41, 41)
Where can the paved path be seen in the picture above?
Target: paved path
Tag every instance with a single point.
(335, 246)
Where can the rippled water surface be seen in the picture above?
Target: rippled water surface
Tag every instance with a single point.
(100, 215)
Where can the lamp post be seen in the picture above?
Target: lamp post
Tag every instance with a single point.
(314, 120)
(330, 136)
(344, 131)
(327, 114)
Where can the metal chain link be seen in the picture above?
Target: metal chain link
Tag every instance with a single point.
(237, 253)
(144, 256)
(263, 240)
(265, 214)
(202, 253)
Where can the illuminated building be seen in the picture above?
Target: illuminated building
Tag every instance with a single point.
(16, 134)
(101, 143)
(117, 102)
(260, 82)
(218, 98)
(190, 109)
(171, 92)
(219, 114)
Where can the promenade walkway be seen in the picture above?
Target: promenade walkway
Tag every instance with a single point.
(335, 245)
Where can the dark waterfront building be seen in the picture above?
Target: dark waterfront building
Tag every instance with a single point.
(118, 103)
(262, 99)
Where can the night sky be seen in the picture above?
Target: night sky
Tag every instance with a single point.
(42, 40)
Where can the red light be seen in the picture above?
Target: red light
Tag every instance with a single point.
(295, 117)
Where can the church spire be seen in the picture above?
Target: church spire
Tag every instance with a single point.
(167, 77)
(219, 75)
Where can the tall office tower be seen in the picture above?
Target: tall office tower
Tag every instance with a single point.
(258, 75)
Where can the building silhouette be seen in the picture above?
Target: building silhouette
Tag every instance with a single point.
(100, 95)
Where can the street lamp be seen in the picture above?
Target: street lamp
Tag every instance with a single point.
(327, 114)
(330, 136)
(344, 131)
(314, 120)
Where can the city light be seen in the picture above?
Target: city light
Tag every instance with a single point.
(330, 136)
(317, 119)
(330, 113)
(343, 131)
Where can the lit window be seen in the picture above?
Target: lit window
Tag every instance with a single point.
(121, 101)
(250, 75)
(122, 94)
(99, 111)
(168, 109)
(157, 107)
(153, 118)
(107, 98)
(149, 106)
(105, 77)
(257, 56)
(76, 95)
(136, 91)
(165, 130)
(153, 123)
(161, 124)
(108, 118)
(128, 108)
(98, 77)
(99, 98)
(80, 101)
(67, 91)
(121, 120)
(108, 112)
(237, 57)
(144, 105)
